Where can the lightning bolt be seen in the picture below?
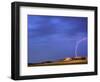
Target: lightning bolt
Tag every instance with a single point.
(77, 44)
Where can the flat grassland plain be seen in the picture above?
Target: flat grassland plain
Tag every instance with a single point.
(66, 61)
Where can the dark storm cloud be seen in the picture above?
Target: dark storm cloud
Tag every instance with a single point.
(46, 25)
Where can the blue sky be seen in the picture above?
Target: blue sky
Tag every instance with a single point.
(55, 37)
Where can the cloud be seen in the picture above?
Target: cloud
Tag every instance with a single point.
(46, 25)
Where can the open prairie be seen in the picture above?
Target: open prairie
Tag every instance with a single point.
(66, 61)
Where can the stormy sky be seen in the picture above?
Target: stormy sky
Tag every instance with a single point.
(55, 37)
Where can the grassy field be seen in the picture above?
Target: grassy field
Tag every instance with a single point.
(67, 61)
